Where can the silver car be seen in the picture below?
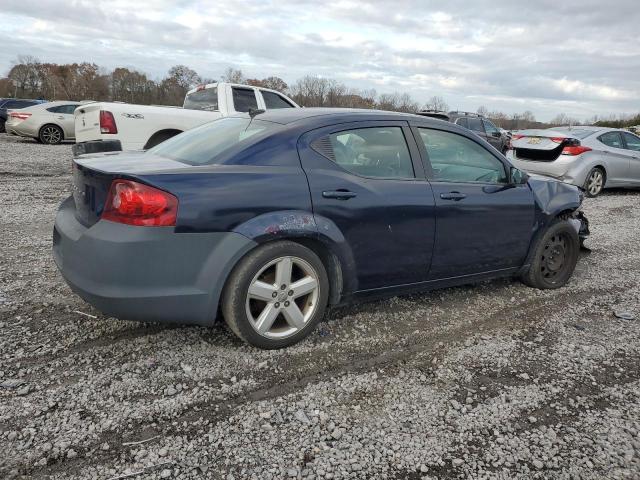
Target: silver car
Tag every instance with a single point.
(49, 123)
(592, 158)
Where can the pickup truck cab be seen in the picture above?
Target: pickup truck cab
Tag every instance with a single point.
(115, 126)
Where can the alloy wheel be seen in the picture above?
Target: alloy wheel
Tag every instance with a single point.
(282, 297)
(51, 135)
(595, 182)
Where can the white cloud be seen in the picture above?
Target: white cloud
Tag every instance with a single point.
(504, 54)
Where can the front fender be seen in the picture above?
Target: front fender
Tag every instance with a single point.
(553, 197)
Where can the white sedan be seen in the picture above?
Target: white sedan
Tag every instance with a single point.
(50, 122)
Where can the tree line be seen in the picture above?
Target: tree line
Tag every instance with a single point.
(30, 78)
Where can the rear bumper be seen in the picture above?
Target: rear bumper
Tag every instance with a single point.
(20, 132)
(96, 146)
(145, 273)
(564, 168)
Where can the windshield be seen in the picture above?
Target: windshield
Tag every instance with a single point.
(204, 144)
(206, 99)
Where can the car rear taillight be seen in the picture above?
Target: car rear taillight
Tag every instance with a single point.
(134, 203)
(19, 116)
(107, 122)
(557, 139)
(575, 150)
(517, 137)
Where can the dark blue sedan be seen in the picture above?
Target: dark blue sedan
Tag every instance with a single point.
(271, 219)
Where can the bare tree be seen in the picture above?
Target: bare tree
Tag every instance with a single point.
(482, 110)
(184, 77)
(274, 83)
(232, 75)
(436, 103)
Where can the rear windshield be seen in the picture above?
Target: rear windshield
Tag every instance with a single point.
(206, 99)
(574, 133)
(203, 145)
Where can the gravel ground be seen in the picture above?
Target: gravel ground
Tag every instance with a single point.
(494, 380)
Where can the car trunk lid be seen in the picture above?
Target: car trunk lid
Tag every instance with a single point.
(93, 174)
(542, 145)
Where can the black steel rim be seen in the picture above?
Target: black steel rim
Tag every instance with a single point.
(555, 261)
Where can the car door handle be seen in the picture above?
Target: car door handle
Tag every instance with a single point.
(339, 194)
(452, 196)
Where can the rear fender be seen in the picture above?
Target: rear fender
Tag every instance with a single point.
(300, 224)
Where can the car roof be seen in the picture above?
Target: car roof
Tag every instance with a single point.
(60, 102)
(290, 115)
(47, 105)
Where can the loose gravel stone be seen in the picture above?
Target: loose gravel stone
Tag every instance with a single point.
(491, 381)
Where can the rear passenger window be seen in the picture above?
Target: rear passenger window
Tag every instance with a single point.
(273, 100)
(244, 99)
(379, 152)
(633, 142)
(69, 109)
(475, 124)
(455, 158)
(611, 139)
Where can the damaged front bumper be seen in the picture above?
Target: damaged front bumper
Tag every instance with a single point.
(580, 222)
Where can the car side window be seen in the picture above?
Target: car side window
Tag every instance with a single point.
(379, 152)
(244, 99)
(55, 109)
(67, 109)
(273, 100)
(611, 139)
(632, 141)
(455, 158)
(475, 124)
(490, 127)
(463, 122)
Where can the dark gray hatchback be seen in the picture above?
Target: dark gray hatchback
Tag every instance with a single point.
(478, 124)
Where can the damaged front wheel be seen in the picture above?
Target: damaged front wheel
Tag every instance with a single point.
(555, 257)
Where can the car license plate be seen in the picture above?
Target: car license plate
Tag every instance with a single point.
(534, 140)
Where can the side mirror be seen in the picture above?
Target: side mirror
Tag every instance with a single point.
(517, 177)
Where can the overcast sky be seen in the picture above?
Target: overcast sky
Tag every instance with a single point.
(580, 57)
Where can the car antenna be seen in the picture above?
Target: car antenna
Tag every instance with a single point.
(252, 113)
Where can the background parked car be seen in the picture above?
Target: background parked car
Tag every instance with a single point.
(478, 124)
(49, 123)
(13, 104)
(590, 157)
(275, 217)
(111, 126)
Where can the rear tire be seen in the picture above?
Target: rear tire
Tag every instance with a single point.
(555, 257)
(594, 184)
(276, 295)
(51, 135)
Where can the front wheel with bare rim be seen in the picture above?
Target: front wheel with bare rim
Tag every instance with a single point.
(276, 295)
(555, 257)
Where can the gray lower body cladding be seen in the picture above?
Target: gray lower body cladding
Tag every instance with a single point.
(145, 273)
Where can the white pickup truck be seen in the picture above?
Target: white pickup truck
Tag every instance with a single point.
(114, 126)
